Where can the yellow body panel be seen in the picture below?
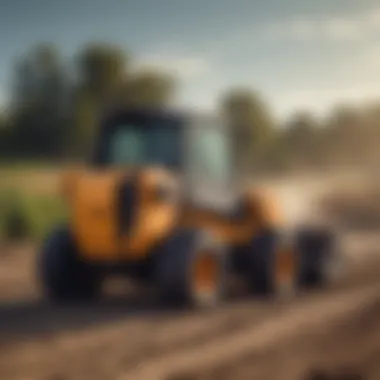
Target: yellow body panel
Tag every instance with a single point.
(93, 205)
(154, 219)
(263, 212)
(92, 197)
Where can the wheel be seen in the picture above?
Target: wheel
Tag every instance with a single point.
(271, 265)
(64, 277)
(191, 270)
(320, 261)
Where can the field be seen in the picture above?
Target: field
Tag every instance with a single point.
(131, 337)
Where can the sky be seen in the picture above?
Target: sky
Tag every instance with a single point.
(299, 54)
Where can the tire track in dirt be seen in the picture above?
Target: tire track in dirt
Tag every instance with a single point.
(231, 347)
(167, 340)
(119, 348)
(141, 338)
(350, 347)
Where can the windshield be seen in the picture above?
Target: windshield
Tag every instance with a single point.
(146, 141)
(210, 155)
(209, 173)
(149, 144)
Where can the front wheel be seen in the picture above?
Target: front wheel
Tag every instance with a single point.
(191, 269)
(322, 261)
(63, 275)
(271, 265)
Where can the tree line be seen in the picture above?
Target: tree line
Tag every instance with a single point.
(54, 106)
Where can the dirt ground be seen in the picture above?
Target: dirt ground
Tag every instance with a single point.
(332, 330)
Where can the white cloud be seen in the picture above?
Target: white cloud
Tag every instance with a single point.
(320, 100)
(183, 67)
(300, 29)
(372, 57)
(361, 67)
(349, 27)
(355, 81)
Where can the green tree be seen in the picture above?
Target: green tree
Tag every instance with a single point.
(105, 80)
(301, 139)
(3, 133)
(252, 123)
(345, 134)
(149, 88)
(55, 111)
(102, 68)
(84, 117)
(345, 119)
(38, 96)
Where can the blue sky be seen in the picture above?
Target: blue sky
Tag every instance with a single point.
(299, 54)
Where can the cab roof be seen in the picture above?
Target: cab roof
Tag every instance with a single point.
(174, 115)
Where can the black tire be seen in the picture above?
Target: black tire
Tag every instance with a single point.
(260, 263)
(316, 248)
(262, 260)
(63, 276)
(174, 264)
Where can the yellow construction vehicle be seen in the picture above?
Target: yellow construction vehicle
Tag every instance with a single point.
(161, 201)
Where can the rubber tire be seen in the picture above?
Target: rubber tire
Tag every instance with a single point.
(173, 276)
(63, 276)
(315, 247)
(260, 263)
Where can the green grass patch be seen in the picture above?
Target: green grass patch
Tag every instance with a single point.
(26, 215)
(20, 166)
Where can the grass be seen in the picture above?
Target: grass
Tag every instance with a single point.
(26, 215)
(7, 166)
(31, 177)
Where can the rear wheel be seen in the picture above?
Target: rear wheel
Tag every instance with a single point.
(191, 270)
(63, 275)
(320, 261)
(271, 266)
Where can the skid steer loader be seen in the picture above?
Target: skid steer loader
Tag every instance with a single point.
(160, 201)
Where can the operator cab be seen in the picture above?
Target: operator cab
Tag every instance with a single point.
(195, 147)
